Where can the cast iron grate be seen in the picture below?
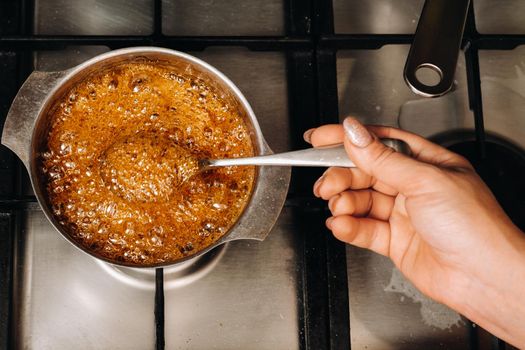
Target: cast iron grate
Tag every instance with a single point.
(311, 46)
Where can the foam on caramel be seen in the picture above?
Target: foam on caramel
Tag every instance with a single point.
(108, 164)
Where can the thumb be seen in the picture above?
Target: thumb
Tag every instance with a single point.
(383, 163)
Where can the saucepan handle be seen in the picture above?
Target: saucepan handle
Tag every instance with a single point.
(265, 204)
(25, 109)
(431, 62)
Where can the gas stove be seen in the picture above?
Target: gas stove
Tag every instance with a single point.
(300, 63)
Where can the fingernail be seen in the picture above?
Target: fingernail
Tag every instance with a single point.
(332, 202)
(329, 222)
(318, 184)
(357, 134)
(307, 136)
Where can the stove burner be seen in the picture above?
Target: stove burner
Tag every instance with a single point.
(176, 276)
(503, 168)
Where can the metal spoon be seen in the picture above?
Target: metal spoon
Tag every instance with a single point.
(328, 156)
(311, 157)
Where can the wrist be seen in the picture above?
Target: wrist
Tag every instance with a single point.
(491, 294)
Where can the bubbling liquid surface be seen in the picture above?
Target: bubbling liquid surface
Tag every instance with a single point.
(109, 160)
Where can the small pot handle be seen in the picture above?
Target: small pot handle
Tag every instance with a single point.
(265, 205)
(436, 46)
(25, 109)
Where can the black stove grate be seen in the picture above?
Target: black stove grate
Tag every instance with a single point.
(311, 46)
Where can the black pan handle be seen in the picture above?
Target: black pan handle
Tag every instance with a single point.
(434, 52)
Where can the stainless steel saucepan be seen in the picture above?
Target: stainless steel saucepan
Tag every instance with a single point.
(27, 122)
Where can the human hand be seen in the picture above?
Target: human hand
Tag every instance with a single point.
(430, 213)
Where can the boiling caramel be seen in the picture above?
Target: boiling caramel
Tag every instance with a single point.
(110, 160)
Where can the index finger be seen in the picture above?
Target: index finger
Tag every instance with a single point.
(328, 134)
(340, 180)
(421, 148)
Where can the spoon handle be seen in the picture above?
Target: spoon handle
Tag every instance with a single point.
(321, 157)
(311, 157)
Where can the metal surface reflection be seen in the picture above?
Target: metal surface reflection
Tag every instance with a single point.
(499, 17)
(91, 17)
(64, 298)
(376, 16)
(219, 17)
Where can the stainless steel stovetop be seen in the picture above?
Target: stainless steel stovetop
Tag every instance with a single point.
(248, 295)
